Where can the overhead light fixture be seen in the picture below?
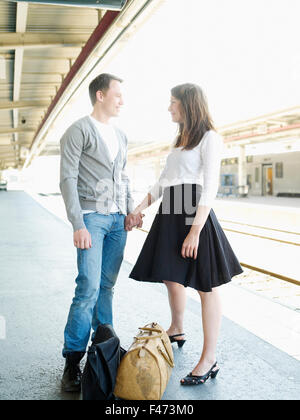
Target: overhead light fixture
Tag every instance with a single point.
(2, 68)
(99, 4)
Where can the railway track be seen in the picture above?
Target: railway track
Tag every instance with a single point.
(263, 228)
(261, 236)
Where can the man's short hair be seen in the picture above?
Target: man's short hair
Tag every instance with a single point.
(102, 82)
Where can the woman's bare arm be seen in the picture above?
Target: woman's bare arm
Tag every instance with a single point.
(148, 200)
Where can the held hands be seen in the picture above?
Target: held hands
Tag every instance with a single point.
(82, 239)
(133, 220)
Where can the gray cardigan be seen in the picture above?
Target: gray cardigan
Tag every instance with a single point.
(88, 179)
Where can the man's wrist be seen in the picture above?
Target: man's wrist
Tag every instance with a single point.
(78, 230)
(78, 225)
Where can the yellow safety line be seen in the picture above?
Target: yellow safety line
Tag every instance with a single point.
(260, 227)
(262, 237)
(278, 276)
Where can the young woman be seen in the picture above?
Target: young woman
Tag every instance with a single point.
(186, 246)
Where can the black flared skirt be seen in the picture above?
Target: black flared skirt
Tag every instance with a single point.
(160, 258)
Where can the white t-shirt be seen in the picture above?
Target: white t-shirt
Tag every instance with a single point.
(108, 134)
(201, 165)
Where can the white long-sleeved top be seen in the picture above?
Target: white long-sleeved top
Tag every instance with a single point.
(200, 165)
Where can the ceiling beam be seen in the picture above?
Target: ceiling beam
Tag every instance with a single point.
(21, 20)
(21, 143)
(38, 59)
(5, 152)
(7, 155)
(16, 130)
(36, 84)
(10, 41)
(95, 4)
(9, 105)
(46, 73)
(45, 58)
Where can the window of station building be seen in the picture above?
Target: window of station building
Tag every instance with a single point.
(279, 169)
(227, 180)
(230, 161)
(249, 159)
(256, 174)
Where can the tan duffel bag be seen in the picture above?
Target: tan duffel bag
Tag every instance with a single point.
(145, 370)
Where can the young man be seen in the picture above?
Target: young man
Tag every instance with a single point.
(99, 205)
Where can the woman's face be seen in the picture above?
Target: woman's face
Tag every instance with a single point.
(175, 110)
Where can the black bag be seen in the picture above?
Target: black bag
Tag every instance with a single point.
(103, 359)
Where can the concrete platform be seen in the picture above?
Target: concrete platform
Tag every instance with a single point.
(38, 268)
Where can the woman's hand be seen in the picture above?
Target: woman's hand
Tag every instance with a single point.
(133, 220)
(190, 245)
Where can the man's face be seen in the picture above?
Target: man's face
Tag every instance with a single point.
(112, 99)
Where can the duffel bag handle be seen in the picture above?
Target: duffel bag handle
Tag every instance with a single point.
(150, 329)
(167, 356)
(148, 337)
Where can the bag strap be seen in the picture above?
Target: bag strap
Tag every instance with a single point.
(167, 358)
(171, 363)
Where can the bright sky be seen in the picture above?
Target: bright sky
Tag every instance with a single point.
(244, 54)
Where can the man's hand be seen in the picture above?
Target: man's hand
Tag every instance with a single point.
(133, 220)
(82, 239)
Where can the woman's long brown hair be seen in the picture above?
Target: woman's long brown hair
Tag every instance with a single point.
(196, 117)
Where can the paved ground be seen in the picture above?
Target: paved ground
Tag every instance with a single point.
(37, 261)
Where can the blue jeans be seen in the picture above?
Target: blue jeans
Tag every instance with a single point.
(98, 269)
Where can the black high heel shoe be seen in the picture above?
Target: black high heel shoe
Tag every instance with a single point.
(180, 343)
(199, 380)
